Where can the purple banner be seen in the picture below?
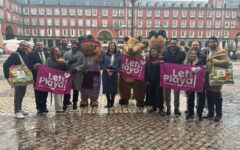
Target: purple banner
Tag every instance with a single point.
(132, 67)
(53, 80)
(182, 77)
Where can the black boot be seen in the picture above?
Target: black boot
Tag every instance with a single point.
(74, 105)
(108, 101)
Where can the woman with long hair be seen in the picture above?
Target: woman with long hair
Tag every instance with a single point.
(110, 64)
(56, 61)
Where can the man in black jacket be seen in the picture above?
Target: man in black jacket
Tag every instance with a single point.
(173, 54)
(19, 91)
(37, 58)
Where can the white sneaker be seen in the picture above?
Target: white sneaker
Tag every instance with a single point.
(24, 112)
(19, 115)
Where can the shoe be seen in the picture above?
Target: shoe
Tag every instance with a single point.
(189, 116)
(74, 106)
(177, 112)
(162, 113)
(19, 115)
(64, 107)
(186, 111)
(45, 110)
(217, 118)
(208, 117)
(168, 112)
(200, 117)
(24, 113)
(60, 111)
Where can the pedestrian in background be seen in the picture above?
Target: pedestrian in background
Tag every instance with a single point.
(110, 64)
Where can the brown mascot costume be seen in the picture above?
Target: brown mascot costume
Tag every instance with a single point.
(91, 76)
(132, 48)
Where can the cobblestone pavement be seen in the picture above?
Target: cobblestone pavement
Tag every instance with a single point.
(121, 128)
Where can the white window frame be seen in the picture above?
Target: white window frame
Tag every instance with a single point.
(104, 12)
(140, 12)
(72, 12)
(184, 13)
(175, 13)
(79, 12)
(148, 13)
(157, 13)
(165, 13)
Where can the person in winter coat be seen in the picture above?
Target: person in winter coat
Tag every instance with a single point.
(110, 64)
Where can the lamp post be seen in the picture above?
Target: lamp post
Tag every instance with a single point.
(132, 19)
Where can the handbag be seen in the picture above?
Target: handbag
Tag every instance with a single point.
(20, 75)
(221, 75)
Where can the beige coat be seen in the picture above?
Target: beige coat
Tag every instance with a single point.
(219, 57)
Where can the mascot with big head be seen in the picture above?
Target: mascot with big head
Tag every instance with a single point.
(132, 48)
(91, 76)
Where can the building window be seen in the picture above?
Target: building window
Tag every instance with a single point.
(139, 23)
(25, 11)
(209, 14)
(232, 24)
(94, 12)
(183, 23)
(184, 13)
(34, 11)
(191, 34)
(227, 24)
(200, 23)
(1, 14)
(121, 33)
(64, 11)
(56, 11)
(199, 34)
(42, 32)
(129, 13)
(174, 33)
(57, 32)
(49, 11)
(149, 13)
(72, 22)
(80, 22)
(79, 12)
(157, 13)
(41, 11)
(157, 23)
(200, 13)
(217, 24)
(192, 13)
(174, 23)
(64, 32)
(208, 34)
(72, 32)
(88, 22)
(34, 32)
(121, 13)
(166, 13)
(49, 32)
(49, 21)
(56, 21)
(64, 22)
(88, 32)
(114, 13)
(104, 23)
(218, 14)
(26, 21)
(41, 21)
(140, 13)
(1, 2)
(94, 23)
(149, 23)
(227, 14)
(217, 34)
(209, 23)
(226, 34)
(27, 32)
(139, 33)
(165, 23)
(72, 12)
(233, 14)
(129, 23)
(192, 23)
(175, 13)
(34, 21)
(183, 33)
(104, 12)
(80, 32)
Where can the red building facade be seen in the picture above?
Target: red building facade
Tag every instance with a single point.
(111, 20)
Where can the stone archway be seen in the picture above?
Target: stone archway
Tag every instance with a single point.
(9, 33)
(105, 36)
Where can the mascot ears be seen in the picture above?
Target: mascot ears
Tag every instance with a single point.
(156, 33)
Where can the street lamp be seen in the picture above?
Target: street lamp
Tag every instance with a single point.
(132, 26)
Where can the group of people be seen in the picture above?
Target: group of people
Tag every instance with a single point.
(73, 60)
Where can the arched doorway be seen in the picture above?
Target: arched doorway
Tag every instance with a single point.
(105, 36)
(9, 33)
